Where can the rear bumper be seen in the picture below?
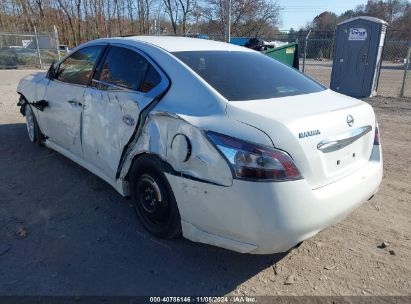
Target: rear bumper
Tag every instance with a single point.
(265, 218)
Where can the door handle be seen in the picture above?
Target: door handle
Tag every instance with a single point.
(75, 103)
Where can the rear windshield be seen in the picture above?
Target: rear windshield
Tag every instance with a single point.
(248, 75)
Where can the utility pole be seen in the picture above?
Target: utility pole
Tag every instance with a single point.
(228, 25)
(56, 38)
(38, 47)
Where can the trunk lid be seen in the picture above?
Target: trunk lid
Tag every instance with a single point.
(316, 130)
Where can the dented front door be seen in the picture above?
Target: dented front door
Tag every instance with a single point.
(60, 120)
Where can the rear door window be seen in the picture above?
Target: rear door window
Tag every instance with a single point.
(125, 68)
(151, 80)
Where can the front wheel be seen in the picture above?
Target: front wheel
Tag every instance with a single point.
(153, 198)
(33, 129)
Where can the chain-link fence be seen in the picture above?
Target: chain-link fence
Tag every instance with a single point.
(316, 59)
(28, 50)
(394, 67)
(316, 50)
(316, 53)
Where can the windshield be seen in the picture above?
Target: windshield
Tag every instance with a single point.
(247, 75)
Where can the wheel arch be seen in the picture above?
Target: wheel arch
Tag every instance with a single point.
(165, 166)
(22, 103)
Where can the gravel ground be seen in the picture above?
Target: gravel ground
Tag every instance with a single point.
(66, 232)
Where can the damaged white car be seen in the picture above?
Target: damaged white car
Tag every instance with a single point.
(215, 141)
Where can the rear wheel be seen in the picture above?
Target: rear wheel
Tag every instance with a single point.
(33, 129)
(153, 198)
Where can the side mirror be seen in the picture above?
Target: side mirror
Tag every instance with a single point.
(51, 73)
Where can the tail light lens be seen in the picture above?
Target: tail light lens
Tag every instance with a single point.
(377, 135)
(254, 162)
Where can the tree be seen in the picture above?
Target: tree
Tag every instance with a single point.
(292, 35)
(82, 20)
(326, 21)
(396, 12)
(388, 10)
(186, 9)
(403, 24)
(65, 8)
(348, 14)
(172, 11)
(249, 18)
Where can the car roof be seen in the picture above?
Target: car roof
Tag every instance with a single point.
(180, 44)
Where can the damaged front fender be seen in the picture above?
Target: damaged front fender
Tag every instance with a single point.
(40, 105)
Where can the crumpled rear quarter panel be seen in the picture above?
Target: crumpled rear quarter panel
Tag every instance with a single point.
(157, 137)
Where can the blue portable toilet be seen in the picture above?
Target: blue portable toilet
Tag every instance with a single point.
(358, 56)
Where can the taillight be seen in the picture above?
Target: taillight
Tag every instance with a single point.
(254, 162)
(377, 135)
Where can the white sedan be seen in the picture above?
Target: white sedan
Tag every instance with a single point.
(215, 141)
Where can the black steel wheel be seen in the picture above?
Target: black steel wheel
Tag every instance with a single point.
(153, 198)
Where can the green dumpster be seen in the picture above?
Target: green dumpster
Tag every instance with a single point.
(287, 54)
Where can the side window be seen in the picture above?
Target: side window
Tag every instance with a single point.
(125, 68)
(78, 67)
(152, 79)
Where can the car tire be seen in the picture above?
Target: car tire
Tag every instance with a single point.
(153, 198)
(33, 130)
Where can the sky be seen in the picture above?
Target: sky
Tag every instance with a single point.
(296, 13)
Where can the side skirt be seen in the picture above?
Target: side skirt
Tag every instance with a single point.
(120, 185)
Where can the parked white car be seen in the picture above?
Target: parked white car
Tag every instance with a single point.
(224, 144)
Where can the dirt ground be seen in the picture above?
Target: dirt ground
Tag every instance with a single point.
(63, 231)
